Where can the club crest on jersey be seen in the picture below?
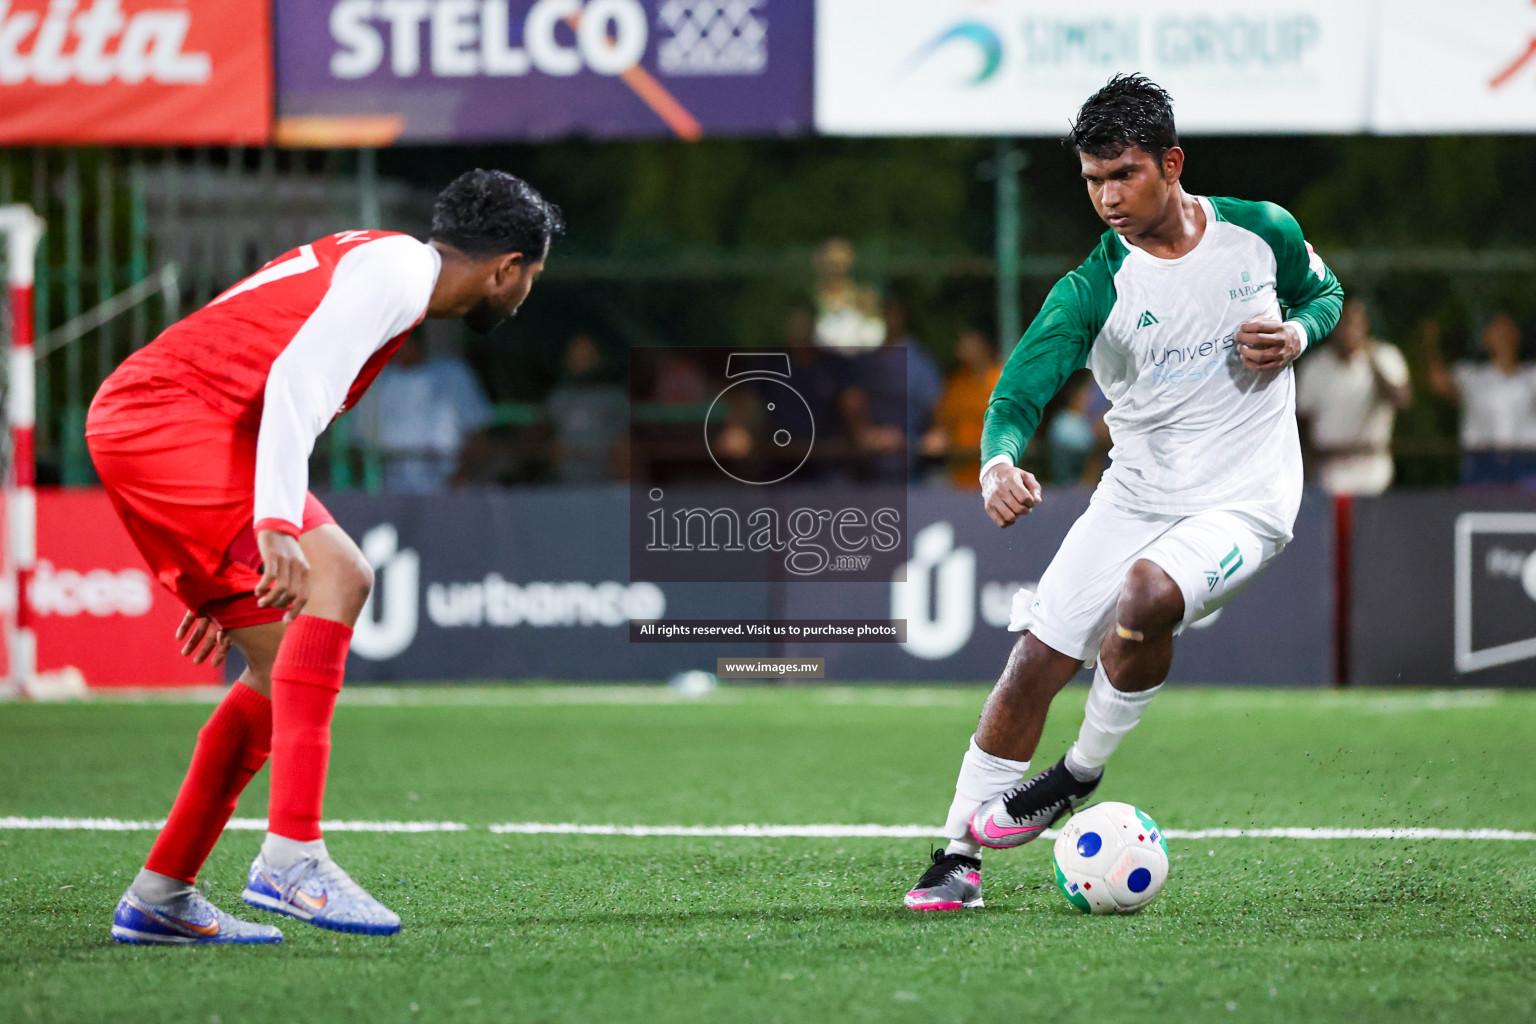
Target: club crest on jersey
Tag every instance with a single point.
(1146, 319)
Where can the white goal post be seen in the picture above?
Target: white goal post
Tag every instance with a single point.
(22, 230)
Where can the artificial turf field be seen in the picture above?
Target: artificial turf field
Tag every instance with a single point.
(537, 927)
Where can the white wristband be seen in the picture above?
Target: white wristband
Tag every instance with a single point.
(993, 461)
(1303, 329)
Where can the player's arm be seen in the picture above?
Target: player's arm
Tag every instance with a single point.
(1311, 298)
(379, 289)
(1055, 346)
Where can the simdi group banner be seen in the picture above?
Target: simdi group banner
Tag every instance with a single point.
(1023, 67)
(382, 71)
(1455, 67)
(135, 72)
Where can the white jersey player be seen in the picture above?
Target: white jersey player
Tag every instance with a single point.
(1189, 314)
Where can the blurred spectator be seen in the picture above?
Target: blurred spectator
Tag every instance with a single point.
(1348, 391)
(820, 377)
(889, 404)
(425, 417)
(847, 313)
(1074, 431)
(1498, 404)
(680, 380)
(924, 382)
(957, 419)
(590, 417)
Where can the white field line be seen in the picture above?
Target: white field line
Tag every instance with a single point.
(760, 831)
(1194, 700)
(235, 824)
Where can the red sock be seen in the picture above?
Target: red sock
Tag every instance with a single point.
(231, 748)
(306, 677)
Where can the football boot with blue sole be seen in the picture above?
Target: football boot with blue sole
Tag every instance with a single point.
(187, 920)
(320, 892)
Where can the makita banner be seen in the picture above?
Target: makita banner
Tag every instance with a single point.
(535, 585)
(381, 71)
(135, 72)
(1444, 590)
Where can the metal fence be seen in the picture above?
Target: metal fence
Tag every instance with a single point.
(136, 237)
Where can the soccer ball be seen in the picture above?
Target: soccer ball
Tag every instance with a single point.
(1110, 859)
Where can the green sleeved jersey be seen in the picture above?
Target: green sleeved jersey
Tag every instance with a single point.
(1193, 428)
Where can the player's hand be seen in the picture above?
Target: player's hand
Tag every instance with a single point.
(1268, 344)
(200, 638)
(1008, 492)
(284, 573)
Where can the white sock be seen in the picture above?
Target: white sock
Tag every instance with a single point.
(281, 852)
(982, 777)
(1110, 714)
(157, 888)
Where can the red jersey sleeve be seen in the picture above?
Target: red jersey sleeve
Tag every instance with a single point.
(379, 290)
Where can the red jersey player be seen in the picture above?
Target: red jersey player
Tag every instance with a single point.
(202, 440)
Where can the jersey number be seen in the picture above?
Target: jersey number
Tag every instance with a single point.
(305, 260)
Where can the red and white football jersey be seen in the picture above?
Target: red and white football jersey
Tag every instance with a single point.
(291, 347)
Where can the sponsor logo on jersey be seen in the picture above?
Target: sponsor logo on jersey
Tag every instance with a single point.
(1190, 364)
(1247, 292)
(1146, 319)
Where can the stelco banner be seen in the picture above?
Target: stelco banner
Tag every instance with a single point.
(1023, 67)
(380, 71)
(172, 72)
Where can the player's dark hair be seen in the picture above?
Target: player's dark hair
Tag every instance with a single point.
(1129, 111)
(488, 213)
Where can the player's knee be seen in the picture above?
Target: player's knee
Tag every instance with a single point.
(343, 585)
(1150, 601)
(357, 580)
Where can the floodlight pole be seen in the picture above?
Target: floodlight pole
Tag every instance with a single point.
(1009, 162)
(23, 229)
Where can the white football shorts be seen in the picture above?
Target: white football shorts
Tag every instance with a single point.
(1210, 555)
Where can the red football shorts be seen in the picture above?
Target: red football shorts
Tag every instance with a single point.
(182, 478)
